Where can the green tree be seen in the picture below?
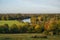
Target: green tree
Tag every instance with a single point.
(31, 29)
(14, 29)
(7, 17)
(4, 28)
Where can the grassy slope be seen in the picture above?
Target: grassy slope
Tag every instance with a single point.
(11, 22)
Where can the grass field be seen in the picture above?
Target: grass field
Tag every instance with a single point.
(11, 22)
(26, 37)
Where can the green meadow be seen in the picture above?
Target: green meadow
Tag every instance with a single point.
(11, 22)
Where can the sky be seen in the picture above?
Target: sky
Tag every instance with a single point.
(29, 6)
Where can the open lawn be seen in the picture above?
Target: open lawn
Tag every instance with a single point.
(26, 37)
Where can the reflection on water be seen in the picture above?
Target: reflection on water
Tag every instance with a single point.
(26, 20)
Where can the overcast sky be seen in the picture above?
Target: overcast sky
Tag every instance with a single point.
(29, 6)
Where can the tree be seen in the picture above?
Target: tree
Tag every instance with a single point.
(7, 17)
(31, 29)
(23, 29)
(14, 29)
(33, 20)
(39, 28)
(51, 26)
(4, 28)
(2, 18)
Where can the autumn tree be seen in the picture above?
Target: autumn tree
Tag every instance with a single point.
(50, 26)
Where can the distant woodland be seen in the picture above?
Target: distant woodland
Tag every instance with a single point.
(14, 16)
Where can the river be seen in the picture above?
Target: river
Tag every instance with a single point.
(26, 20)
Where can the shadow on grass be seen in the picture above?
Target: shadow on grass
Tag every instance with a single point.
(42, 36)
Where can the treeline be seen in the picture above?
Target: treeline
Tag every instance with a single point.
(50, 23)
(13, 16)
(27, 28)
(20, 16)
